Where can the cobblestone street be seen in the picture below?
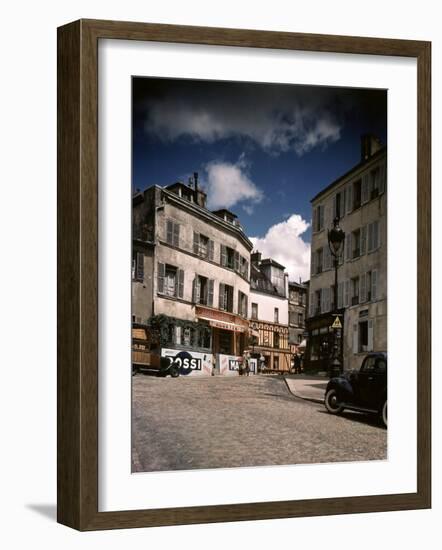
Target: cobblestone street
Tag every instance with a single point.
(214, 422)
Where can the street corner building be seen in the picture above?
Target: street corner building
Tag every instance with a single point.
(358, 199)
(191, 278)
(269, 315)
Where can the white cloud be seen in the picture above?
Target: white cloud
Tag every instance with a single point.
(280, 122)
(228, 184)
(283, 243)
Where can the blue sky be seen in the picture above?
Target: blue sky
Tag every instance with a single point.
(261, 150)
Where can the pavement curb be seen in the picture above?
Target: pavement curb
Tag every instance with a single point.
(299, 396)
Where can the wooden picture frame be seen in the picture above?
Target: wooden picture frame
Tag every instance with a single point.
(77, 461)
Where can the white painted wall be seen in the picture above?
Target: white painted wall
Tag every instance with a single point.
(266, 307)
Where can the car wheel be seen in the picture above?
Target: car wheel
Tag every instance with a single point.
(332, 402)
(384, 414)
(174, 372)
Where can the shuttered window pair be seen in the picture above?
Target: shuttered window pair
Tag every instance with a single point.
(373, 236)
(242, 304)
(318, 218)
(172, 233)
(170, 280)
(203, 291)
(363, 333)
(203, 246)
(226, 297)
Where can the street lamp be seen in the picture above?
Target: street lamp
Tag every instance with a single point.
(336, 238)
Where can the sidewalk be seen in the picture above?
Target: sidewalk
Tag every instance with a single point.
(307, 387)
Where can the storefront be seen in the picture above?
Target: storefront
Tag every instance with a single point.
(272, 346)
(320, 342)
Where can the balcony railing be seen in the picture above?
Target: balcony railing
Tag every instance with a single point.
(354, 300)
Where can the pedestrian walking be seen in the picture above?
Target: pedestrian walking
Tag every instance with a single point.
(297, 364)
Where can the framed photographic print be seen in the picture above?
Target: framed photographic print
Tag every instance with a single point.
(236, 210)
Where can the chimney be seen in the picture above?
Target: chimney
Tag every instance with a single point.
(369, 146)
(255, 257)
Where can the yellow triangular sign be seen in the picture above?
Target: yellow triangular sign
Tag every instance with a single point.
(336, 323)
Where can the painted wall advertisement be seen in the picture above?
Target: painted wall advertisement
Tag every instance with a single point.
(190, 362)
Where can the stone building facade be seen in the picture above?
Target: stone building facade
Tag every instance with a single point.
(190, 276)
(359, 200)
(269, 313)
(297, 313)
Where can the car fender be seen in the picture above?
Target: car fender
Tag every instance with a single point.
(343, 388)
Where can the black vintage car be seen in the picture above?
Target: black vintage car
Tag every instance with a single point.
(364, 390)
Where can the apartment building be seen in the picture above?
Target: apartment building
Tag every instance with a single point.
(359, 200)
(190, 276)
(269, 313)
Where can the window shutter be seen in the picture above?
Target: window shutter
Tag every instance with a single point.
(221, 296)
(210, 292)
(223, 255)
(246, 269)
(343, 197)
(340, 295)
(312, 304)
(355, 338)
(246, 312)
(323, 299)
(197, 290)
(370, 237)
(161, 275)
(363, 239)
(349, 197)
(180, 283)
(211, 250)
(348, 246)
(313, 262)
(370, 335)
(363, 288)
(346, 292)
(321, 217)
(314, 219)
(236, 261)
(376, 239)
(196, 243)
(140, 266)
(383, 177)
(374, 285)
(169, 231)
(176, 234)
(364, 188)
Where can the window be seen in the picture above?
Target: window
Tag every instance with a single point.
(356, 242)
(203, 291)
(356, 194)
(373, 236)
(172, 233)
(317, 302)
(138, 266)
(318, 218)
(254, 311)
(339, 204)
(244, 267)
(363, 341)
(355, 291)
(292, 317)
(276, 363)
(277, 279)
(276, 315)
(319, 258)
(204, 338)
(276, 339)
(300, 319)
(242, 304)
(170, 280)
(299, 338)
(226, 297)
(203, 246)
